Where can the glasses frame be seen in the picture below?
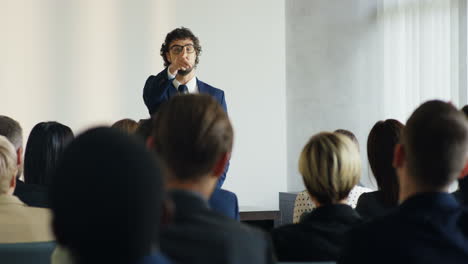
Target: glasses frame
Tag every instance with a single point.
(171, 49)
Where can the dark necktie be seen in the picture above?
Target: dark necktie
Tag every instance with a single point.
(182, 89)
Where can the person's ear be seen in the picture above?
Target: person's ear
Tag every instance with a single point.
(13, 182)
(398, 156)
(19, 156)
(221, 164)
(150, 142)
(464, 172)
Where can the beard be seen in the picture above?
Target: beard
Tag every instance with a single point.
(185, 72)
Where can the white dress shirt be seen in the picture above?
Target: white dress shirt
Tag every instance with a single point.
(191, 85)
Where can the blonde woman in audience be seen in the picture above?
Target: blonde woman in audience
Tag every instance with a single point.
(18, 222)
(330, 167)
(303, 204)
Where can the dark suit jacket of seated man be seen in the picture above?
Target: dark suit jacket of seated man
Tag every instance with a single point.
(429, 226)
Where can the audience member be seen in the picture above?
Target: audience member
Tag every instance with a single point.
(381, 143)
(193, 137)
(107, 200)
(12, 130)
(44, 148)
(429, 226)
(221, 200)
(144, 129)
(18, 222)
(330, 166)
(462, 193)
(304, 205)
(126, 125)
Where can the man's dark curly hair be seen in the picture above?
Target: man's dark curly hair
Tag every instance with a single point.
(176, 34)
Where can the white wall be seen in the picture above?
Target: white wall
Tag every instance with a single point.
(85, 62)
(332, 74)
(340, 68)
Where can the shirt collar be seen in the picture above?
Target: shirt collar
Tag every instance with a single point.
(191, 85)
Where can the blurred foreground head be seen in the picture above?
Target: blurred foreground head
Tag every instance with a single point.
(107, 198)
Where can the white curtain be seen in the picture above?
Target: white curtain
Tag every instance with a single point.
(421, 53)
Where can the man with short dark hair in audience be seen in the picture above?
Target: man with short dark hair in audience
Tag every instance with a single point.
(31, 194)
(19, 223)
(193, 136)
(429, 226)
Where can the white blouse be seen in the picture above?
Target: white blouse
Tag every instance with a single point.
(304, 204)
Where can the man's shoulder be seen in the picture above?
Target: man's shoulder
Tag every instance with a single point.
(209, 234)
(219, 226)
(209, 88)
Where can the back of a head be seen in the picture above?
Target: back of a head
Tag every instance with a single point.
(107, 198)
(330, 166)
(349, 134)
(465, 110)
(381, 142)
(191, 133)
(144, 129)
(12, 130)
(45, 146)
(126, 125)
(8, 166)
(435, 140)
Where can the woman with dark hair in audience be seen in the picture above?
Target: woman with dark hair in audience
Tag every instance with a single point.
(330, 166)
(380, 146)
(44, 148)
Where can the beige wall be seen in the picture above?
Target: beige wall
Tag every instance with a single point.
(85, 62)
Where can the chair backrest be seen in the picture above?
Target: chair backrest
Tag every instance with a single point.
(26, 253)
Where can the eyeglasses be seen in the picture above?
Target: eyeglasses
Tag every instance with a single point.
(177, 49)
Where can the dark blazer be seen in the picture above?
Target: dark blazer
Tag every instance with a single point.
(319, 236)
(370, 205)
(225, 203)
(200, 235)
(32, 194)
(158, 89)
(426, 228)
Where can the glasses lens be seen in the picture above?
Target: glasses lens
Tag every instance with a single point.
(177, 49)
(190, 48)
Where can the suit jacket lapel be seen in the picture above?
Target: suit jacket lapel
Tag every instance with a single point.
(202, 88)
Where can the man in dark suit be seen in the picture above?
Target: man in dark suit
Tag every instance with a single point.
(180, 51)
(193, 137)
(429, 226)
